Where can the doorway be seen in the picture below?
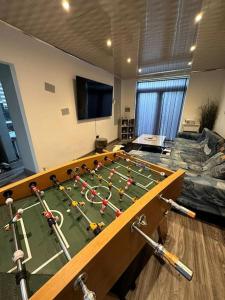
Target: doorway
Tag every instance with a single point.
(16, 152)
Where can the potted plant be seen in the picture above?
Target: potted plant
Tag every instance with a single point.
(208, 114)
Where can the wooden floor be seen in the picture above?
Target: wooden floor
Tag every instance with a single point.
(202, 247)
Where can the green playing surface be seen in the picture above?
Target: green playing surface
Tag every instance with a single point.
(43, 254)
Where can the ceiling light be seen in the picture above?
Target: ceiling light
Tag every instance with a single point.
(139, 70)
(66, 5)
(129, 60)
(109, 43)
(193, 47)
(198, 17)
(190, 63)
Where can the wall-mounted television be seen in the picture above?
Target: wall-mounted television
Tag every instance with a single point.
(93, 99)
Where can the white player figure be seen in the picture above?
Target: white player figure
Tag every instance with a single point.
(17, 216)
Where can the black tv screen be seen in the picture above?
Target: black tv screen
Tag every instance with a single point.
(93, 99)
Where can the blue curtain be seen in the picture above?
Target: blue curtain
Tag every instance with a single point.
(146, 112)
(159, 106)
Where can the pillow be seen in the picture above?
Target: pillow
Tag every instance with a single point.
(207, 150)
(213, 161)
(218, 171)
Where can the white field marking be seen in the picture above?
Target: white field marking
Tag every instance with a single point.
(97, 186)
(117, 167)
(60, 231)
(47, 262)
(31, 206)
(29, 256)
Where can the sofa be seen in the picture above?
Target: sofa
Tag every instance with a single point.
(202, 156)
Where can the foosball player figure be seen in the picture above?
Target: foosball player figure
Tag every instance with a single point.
(92, 174)
(112, 172)
(121, 193)
(118, 213)
(99, 165)
(51, 219)
(93, 195)
(75, 203)
(95, 228)
(100, 179)
(141, 167)
(128, 170)
(35, 189)
(17, 216)
(110, 185)
(134, 199)
(104, 205)
(83, 187)
(129, 182)
(76, 179)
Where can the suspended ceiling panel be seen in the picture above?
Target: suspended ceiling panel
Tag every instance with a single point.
(210, 51)
(167, 34)
(156, 35)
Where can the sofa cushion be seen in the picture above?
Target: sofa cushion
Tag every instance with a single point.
(215, 141)
(218, 171)
(213, 161)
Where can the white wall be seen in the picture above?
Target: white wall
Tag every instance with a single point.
(202, 85)
(55, 138)
(220, 122)
(128, 97)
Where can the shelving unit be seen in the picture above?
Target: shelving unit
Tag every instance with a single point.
(126, 130)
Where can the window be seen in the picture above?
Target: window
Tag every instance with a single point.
(159, 105)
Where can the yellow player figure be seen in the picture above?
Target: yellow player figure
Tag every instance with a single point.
(100, 179)
(110, 185)
(121, 193)
(134, 199)
(128, 170)
(92, 173)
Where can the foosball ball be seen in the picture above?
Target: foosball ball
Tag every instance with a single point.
(84, 222)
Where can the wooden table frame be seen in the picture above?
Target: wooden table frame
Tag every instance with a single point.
(107, 256)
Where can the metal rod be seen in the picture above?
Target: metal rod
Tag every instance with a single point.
(23, 284)
(54, 227)
(135, 158)
(178, 207)
(80, 282)
(160, 251)
(132, 170)
(125, 177)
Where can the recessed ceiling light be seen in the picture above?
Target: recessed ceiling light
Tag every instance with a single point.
(129, 60)
(198, 17)
(190, 63)
(139, 70)
(193, 47)
(66, 5)
(109, 43)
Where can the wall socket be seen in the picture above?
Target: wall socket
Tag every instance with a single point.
(65, 111)
(49, 87)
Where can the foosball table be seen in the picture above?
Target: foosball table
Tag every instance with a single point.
(84, 222)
